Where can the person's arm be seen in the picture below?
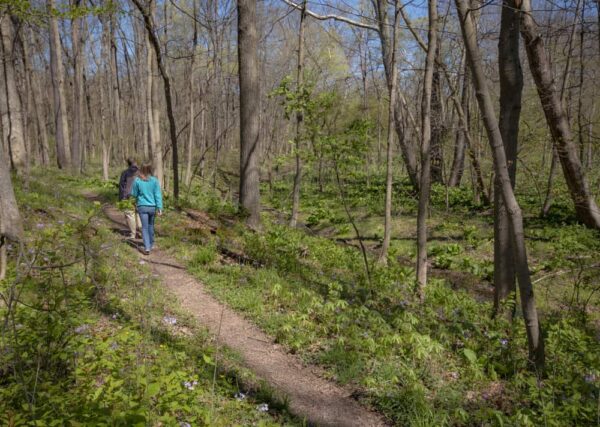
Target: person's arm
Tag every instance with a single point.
(134, 188)
(122, 184)
(158, 195)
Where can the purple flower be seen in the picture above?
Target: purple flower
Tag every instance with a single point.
(40, 225)
(503, 342)
(590, 378)
(184, 424)
(82, 329)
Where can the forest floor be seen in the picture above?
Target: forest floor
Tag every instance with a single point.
(308, 394)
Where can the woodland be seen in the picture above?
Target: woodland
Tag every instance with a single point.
(401, 194)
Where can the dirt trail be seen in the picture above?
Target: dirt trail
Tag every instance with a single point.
(319, 401)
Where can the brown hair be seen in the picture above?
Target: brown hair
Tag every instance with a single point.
(146, 171)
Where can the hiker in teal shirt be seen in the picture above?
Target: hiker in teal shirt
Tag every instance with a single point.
(146, 190)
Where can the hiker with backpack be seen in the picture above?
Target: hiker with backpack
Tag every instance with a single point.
(125, 184)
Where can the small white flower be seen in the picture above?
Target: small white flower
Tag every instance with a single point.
(170, 320)
(240, 396)
(263, 407)
(142, 262)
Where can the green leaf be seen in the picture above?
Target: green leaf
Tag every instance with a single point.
(153, 389)
(470, 355)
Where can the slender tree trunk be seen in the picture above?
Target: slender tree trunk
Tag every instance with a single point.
(425, 181)
(458, 162)
(511, 88)
(408, 152)
(190, 144)
(249, 111)
(299, 118)
(78, 108)
(14, 134)
(392, 82)
(585, 206)
(149, 22)
(36, 106)
(63, 144)
(437, 121)
(484, 99)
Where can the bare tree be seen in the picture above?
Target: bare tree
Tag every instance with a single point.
(63, 144)
(511, 87)
(458, 162)
(425, 181)
(556, 118)
(78, 107)
(299, 118)
(392, 91)
(154, 42)
(249, 111)
(484, 100)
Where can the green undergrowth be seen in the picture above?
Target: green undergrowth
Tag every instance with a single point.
(443, 362)
(89, 337)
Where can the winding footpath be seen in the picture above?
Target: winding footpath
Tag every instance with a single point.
(311, 397)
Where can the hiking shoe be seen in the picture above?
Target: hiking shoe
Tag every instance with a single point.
(146, 252)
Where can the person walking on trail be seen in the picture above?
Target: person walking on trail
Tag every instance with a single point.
(125, 185)
(146, 190)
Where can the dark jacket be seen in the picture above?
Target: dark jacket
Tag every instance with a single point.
(126, 181)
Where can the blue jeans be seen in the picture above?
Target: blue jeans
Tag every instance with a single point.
(147, 215)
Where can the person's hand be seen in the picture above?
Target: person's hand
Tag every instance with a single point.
(159, 212)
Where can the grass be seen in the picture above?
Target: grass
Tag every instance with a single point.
(445, 362)
(99, 341)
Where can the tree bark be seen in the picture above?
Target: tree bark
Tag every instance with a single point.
(11, 226)
(14, 135)
(392, 82)
(585, 206)
(458, 162)
(249, 111)
(511, 88)
(299, 118)
(425, 181)
(63, 144)
(148, 20)
(484, 100)
(437, 120)
(36, 102)
(78, 107)
(408, 152)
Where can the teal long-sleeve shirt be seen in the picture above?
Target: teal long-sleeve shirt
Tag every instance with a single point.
(147, 193)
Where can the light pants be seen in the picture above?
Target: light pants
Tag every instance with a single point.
(133, 222)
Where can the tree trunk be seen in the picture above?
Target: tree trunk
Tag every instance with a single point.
(150, 27)
(36, 101)
(14, 134)
(425, 181)
(63, 150)
(511, 88)
(585, 206)
(392, 82)
(458, 162)
(78, 108)
(190, 144)
(437, 121)
(484, 99)
(299, 118)
(11, 227)
(249, 111)
(408, 152)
